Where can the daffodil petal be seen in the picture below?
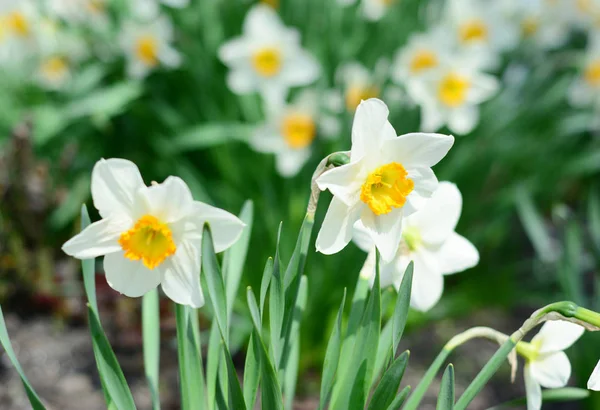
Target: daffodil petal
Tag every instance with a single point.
(428, 282)
(128, 277)
(344, 182)
(361, 237)
(225, 227)
(169, 201)
(463, 120)
(336, 230)
(261, 21)
(99, 238)
(241, 81)
(385, 230)
(438, 217)
(418, 149)
(303, 70)
(369, 122)
(234, 51)
(533, 389)
(456, 254)
(557, 335)
(289, 162)
(551, 370)
(115, 182)
(426, 184)
(181, 279)
(594, 382)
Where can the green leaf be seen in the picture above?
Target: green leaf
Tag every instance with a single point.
(213, 360)
(385, 354)
(276, 308)
(236, 397)
(298, 259)
(251, 374)
(291, 374)
(79, 192)
(399, 400)
(210, 135)
(446, 396)
(332, 356)
(265, 282)
(151, 340)
(388, 386)
(214, 281)
(34, 399)
(551, 395)
(570, 269)
(190, 361)
(594, 219)
(108, 366)
(534, 226)
(88, 267)
(235, 257)
(106, 102)
(402, 306)
(271, 398)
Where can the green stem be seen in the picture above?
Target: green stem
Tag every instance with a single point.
(151, 340)
(588, 316)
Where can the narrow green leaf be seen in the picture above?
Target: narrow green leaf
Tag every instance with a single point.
(384, 355)
(332, 356)
(551, 395)
(210, 135)
(151, 340)
(212, 364)
(88, 267)
(271, 398)
(106, 102)
(297, 261)
(534, 226)
(388, 386)
(594, 219)
(214, 281)
(291, 374)
(402, 306)
(446, 396)
(251, 374)
(235, 257)
(236, 397)
(34, 399)
(264, 283)
(79, 192)
(190, 361)
(570, 269)
(399, 400)
(108, 366)
(276, 308)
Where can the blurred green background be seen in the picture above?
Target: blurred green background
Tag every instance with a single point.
(527, 172)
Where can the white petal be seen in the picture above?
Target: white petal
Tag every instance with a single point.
(428, 282)
(369, 121)
(176, 3)
(274, 92)
(181, 280)
(261, 22)
(225, 227)
(594, 382)
(302, 70)
(368, 269)
(385, 230)
(484, 87)
(426, 184)
(464, 119)
(533, 389)
(456, 254)
(361, 237)
(418, 149)
(170, 201)
(432, 118)
(234, 50)
(343, 182)
(114, 184)
(170, 57)
(551, 370)
(373, 10)
(241, 81)
(128, 277)
(136, 69)
(99, 238)
(336, 230)
(439, 216)
(291, 161)
(557, 335)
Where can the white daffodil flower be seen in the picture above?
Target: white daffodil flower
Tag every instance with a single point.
(546, 363)
(92, 13)
(541, 22)
(450, 96)
(289, 132)
(18, 30)
(360, 83)
(150, 9)
(150, 235)
(479, 27)
(585, 89)
(267, 57)
(422, 53)
(388, 177)
(371, 10)
(429, 240)
(148, 45)
(594, 382)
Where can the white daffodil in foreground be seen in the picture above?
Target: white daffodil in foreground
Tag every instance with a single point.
(429, 240)
(594, 382)
(148, 45)
(450, 96)
(422, 53)
(289, 132)
(388, 177)
(267, 57)
(546, 363)
(150, 235)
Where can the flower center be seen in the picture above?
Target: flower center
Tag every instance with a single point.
(150, 241)
(473, 30)
(356, 94)
(298, 130)
(146, 49)
(54, 68)
(529, 26)
(529, 351)
(267, 61)
(453, 89)
(17, 23)
(412, 238)
(423, 60)
(385, 188)
(592, 73)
